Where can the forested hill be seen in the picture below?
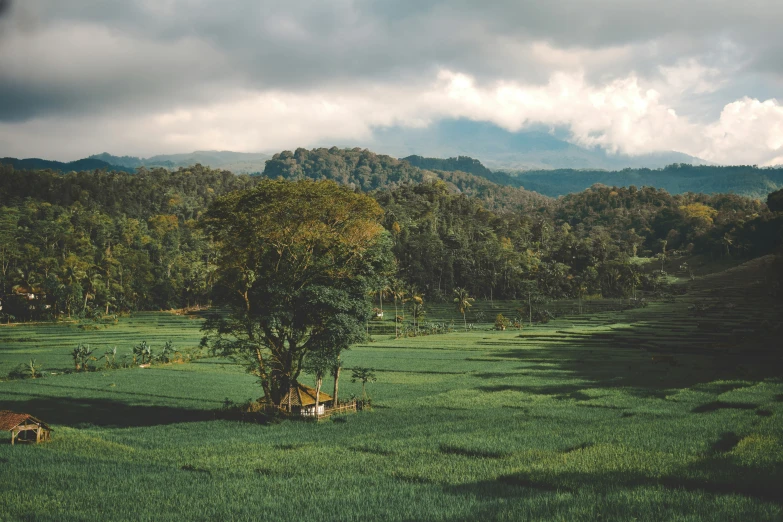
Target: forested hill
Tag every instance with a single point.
(461, 163)
(72, 166)
(184, 192)
(677, 178)
(367, 171)
(91, 243)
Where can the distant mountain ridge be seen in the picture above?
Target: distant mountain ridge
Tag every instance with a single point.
(349, 165)
(676, 178)
(497, 148)
(237, 162)
(71, 166)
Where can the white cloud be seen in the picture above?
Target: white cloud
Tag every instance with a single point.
(690, 76)
(748, 132)
(625, 115)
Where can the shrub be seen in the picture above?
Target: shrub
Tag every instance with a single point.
(501, 323)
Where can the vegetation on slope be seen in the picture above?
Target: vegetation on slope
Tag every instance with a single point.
(99, 242)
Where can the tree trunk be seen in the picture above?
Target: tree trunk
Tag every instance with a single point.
(336, 375)
(529, 311)
(464, 320)
(318, 381)
(396, 329)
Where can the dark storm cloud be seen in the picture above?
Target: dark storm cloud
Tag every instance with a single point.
(148, 54)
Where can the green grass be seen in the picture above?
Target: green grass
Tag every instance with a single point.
(565, 421)
(51, 344)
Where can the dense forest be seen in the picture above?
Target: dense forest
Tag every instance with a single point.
(97, 242)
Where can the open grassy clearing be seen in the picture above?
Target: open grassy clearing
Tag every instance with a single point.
(570, 420)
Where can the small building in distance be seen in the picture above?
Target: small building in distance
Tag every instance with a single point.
(24, 427)
(303, 401)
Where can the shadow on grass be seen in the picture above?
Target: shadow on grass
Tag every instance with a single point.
(562, 392)
(624, 367)
(727, 442)
(115, 391)
(448, 449)
(70, 412)
(720, 405)
(707, 477)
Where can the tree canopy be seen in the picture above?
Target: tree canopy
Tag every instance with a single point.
(296, 263)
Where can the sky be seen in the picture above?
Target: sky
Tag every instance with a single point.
(145, 77)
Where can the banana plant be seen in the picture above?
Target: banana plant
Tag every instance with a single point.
(142, 352)
(34, 369)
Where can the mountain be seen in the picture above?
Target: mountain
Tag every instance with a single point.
(237, 162)
(676, 178)
(500, 149)
(72, 166)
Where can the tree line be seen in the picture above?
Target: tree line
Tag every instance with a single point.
(97, 242)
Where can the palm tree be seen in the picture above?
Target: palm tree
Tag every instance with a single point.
(464, 301)
(727, 242)
(417, 308)
(398, 292)
(384, 290)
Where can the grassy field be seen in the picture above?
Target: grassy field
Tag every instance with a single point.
(566, 421)
(51, 344)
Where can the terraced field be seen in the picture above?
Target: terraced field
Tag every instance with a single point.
(572, 420)
(51, 344)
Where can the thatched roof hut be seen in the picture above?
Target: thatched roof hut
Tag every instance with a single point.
(303, 400)
(24, 427)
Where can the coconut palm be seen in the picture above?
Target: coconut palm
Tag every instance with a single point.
(463, 301)
(417, 307)
(398, 292)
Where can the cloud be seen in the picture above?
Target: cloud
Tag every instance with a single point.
(145, 76)
(622, 116)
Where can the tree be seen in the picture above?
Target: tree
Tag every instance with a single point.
(399, 292)
(337, 366)
(363, 375)
(417, 308)
(775, 201)
(9, 247)
(501, 323)
(296, 262)
(464, 301)
(531, 291)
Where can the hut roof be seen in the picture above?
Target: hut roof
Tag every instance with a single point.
(11, 419)
(304, 396)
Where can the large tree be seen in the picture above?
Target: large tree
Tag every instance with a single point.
(297, 261)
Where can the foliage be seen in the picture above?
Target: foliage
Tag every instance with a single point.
(296, 262)
(363, 375)
(463, 301)
(82, 355)
(97, 244)
(142, 353)
(501, 323)
(775, 201)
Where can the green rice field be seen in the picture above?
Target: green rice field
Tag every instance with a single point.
(668, 412)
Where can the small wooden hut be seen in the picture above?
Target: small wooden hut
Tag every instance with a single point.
(24, 427)
(302, 401)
